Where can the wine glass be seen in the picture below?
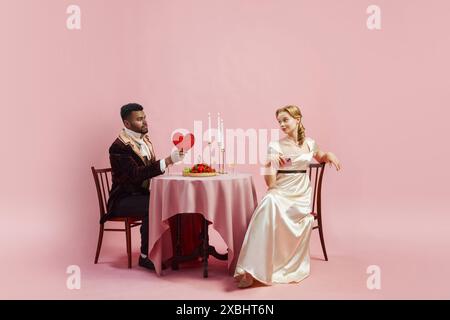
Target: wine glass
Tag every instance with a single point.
(232, 166)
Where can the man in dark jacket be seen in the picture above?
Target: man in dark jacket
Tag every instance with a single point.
(133, 164)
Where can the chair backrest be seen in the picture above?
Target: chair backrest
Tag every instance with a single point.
(316, 171)
(102, 178)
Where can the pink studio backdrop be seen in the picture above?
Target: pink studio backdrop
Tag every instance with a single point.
(377, 99)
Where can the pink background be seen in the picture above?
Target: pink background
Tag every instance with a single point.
(378, 99)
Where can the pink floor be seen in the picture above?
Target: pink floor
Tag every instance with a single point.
(413, 266)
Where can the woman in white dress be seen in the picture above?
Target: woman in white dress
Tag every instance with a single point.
(276, 245)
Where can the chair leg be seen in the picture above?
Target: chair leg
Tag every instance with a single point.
(99, 243)
(128, 237)
(322, 240)
(205, 248)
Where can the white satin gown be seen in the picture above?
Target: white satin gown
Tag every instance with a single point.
(276, 244)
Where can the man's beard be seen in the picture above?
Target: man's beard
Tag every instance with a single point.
(141, 130)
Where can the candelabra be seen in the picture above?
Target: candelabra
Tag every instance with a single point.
(209, 147)
(222, 164)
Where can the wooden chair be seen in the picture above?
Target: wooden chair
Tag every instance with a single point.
(316, 171)
(102, 178)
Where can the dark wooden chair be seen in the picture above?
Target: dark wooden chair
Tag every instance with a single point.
(316, 171)
(102, 178)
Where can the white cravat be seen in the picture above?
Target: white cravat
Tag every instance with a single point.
(138, 137)
(145, 151)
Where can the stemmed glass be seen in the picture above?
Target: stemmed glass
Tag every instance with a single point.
(232, 166)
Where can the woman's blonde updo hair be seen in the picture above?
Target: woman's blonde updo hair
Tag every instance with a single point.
(295, 113)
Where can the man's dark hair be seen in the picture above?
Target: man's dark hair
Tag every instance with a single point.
(126, 110)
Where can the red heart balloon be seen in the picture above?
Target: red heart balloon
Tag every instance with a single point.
(183, 142)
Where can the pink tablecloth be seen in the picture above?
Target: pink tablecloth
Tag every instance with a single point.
(228, 201)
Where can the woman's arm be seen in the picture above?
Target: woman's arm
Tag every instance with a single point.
(327, 157)
(274, 161)
(270, 180)
(320, 156)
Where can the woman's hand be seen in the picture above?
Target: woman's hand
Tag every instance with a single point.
(332, 159)
(276, 160)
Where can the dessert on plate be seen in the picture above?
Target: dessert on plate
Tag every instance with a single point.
(199, 170)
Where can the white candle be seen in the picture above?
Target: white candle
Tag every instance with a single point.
(222, 134)
(218, 129)
(209, 127)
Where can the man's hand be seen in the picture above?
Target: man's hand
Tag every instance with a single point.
(176, 156)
